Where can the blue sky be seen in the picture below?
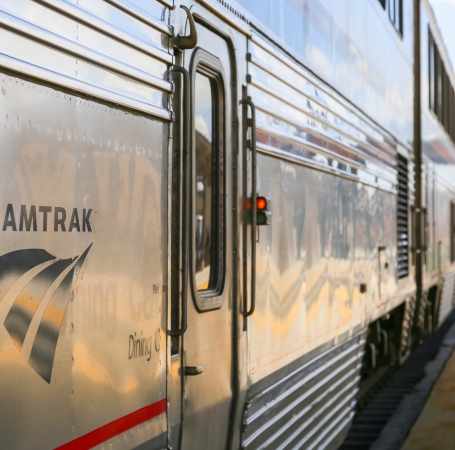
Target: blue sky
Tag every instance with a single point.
(444, 11)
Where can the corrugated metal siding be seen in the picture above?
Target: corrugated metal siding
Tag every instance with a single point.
(300, 118)
(113, 50)
(447, 297)
(310, 407)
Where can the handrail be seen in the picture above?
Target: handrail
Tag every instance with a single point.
(186, 190)
(252, 125)
(440, 256)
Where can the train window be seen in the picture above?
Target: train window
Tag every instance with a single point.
(439, 67)
(208, 212)
(431, 68)
(444, 100)
(392, 10)
(446, 103)
(395, 10)
(441, 92)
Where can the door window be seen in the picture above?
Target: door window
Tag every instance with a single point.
(208, 179)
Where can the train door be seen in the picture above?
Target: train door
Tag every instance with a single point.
(205, 211)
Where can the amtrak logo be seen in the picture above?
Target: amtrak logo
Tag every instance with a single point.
(16, 264)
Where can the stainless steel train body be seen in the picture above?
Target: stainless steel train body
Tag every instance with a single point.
(143, 301)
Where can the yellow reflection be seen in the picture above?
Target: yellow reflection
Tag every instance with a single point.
(98, 374)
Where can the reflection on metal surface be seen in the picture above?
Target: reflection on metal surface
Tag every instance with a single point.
(141, 14)
(298, 119)
(15, 264)
(70, 153)
(86, 53)
(337, 205)
(92, 47)
(308, 407)
(339, 47)
(447, 297)
(321, 245)
(119, 426)
(149, 42)
(205, 196)
(208, 342)
(20, 315)
(439, 157)
(45, 343)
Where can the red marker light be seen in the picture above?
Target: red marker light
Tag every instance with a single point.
(261, 203)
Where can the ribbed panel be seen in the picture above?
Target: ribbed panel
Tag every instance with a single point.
(301, 120)
(402, 217)
(309, 408)
(121, 52)
(447, 297)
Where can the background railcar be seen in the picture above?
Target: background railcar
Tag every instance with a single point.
(223, 220)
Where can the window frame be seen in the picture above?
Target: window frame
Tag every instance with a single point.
(452, 231)
(431, 71)
(441, 99)
(210, 66)
(394, 10)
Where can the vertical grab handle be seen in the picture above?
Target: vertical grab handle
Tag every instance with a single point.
(252, 125)
(424, 226)
(439, 256)
(185, 198)
(381, 248)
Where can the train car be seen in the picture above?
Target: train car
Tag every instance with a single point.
(223, 221)
(438, 137)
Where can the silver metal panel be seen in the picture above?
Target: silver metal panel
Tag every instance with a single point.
(312, 124)
(93, 278)
(149, 17)
(439, 156)
(445, 193)
(309, 406)
(331, 174)
(334, 40)
(114, 23)
(86, 53)
(322, 243)
(92, 47)
(447, 297)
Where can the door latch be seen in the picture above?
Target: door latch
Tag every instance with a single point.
(192, 371)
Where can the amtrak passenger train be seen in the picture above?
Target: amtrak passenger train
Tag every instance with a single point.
(222, 220)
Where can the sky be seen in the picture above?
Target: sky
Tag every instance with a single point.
(444, 10)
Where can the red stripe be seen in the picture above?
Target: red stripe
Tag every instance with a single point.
(116, 427)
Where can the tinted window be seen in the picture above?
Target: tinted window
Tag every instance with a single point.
(442, 95)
